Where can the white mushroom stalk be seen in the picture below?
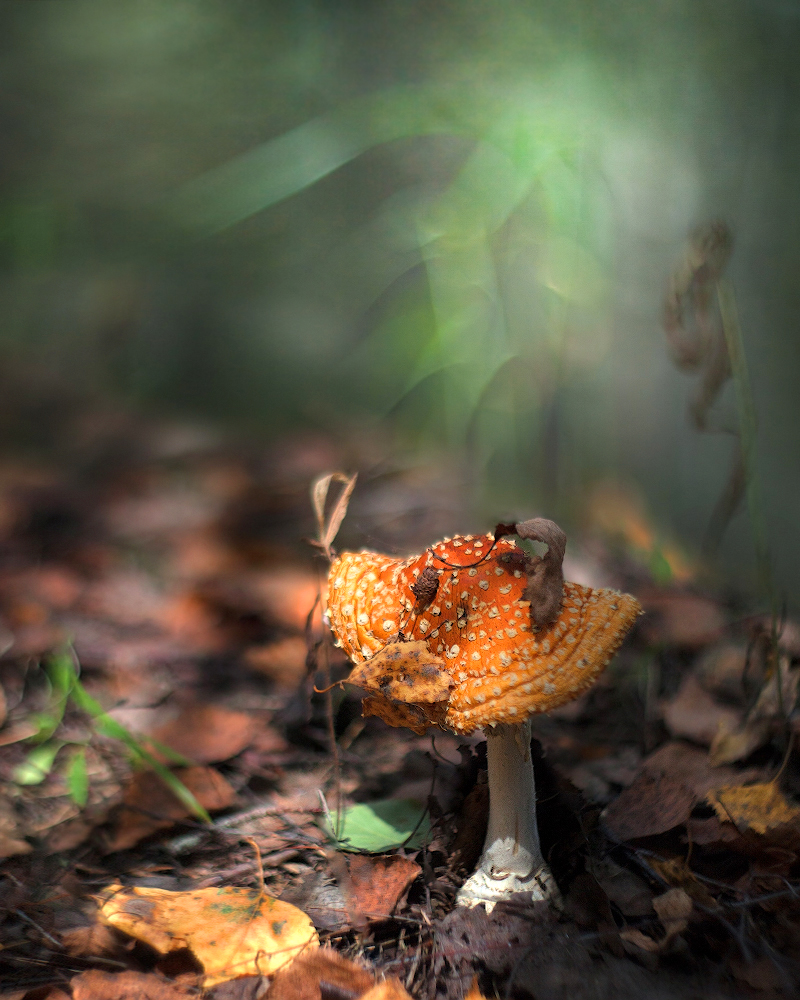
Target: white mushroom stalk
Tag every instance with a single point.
(512, 860)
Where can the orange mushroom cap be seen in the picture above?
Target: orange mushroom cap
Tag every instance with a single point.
(478, 626)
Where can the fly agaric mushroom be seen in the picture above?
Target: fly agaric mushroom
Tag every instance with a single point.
(476, 633)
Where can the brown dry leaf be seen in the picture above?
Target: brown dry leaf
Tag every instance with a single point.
(188, 617)
(149, 805)
(721, 669)
(735, 742)
(232, 932)
(626, 890)
(11, 846)
(329, 527)
(638, 939)
(680, 618)
(284, 661)
(17, 732)
(286, 593)
(395, 713)
(96, 985)
(323, 968)
(674, 907)
(763, 974)
(388, 989)
(90, 937)
(695, 715)
(649, 806)
(405, 671)
(11, 833)
(374, 884)
(760, 808)
(680, 876)
(207, 733)
(691, 767)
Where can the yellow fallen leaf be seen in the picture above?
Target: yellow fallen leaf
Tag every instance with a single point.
(405, 671)
(386, 989)
(760, 807)
(474, 991)
(232, 932)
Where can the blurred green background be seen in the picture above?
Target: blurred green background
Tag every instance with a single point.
(446, 224)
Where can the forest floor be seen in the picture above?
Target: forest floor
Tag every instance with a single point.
(156, 591)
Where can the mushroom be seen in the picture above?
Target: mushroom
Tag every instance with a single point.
(476, 633)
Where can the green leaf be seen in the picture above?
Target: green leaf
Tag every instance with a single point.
(660, 567)
(38, 764)
(375, 827)
(78, 778)
(110, 727)
(61, 675)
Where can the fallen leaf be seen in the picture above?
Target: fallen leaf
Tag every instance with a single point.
(680, 876)
(474, 991)
(691, 767)
(710, 832)
(321, 973)
(406, 672)
(10, 846)
(372, 886)
(284, 661)
(387, 989)
(148, 805)
(232, 932)
(96, 985)
(763, 974)
(17, 732)
(380, 826)
(287, 595)
(680, 618)
(243, 988)
(649, 806)
(640, 940)
(695, 715)
(207, 733)
(626, 890)
(721, 670)
(90, 936)
(760, 808)
(417, 718)
(736, 742)
(674, 907)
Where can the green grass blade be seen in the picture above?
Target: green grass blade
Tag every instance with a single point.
(110, 727)
(78, 778)
(38, 764)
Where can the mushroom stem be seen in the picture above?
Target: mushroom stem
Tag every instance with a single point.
(512, 859)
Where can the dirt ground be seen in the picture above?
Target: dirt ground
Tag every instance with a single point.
(157, 596)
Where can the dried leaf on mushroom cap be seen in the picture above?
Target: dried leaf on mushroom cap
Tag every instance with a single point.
(479, 623)
(405, 671)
